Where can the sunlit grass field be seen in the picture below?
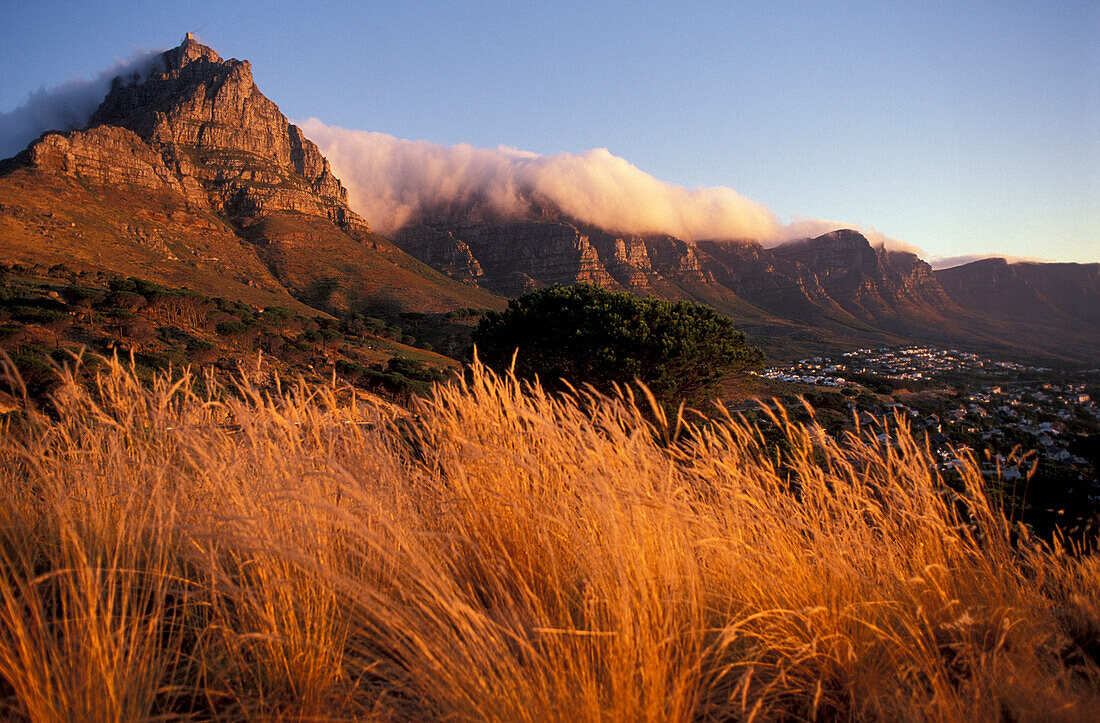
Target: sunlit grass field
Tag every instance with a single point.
(501, 554)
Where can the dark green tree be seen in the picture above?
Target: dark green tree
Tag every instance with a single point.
(83, 299)
(588, 335)
(329, 337)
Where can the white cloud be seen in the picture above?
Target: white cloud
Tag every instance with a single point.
(67, 106)
(392, 181)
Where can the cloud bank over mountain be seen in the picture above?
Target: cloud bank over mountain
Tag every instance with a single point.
(947, 262)
(801, 228)
(392, 181)
(67, 106)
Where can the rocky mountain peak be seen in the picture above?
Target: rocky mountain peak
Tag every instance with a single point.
(134, 102)
(188, 51)
(841, 250)
(220, 141)
(843, 237)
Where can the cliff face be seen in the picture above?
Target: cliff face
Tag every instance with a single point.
(626, 258)
(549, 253)
(219, 140)
(780, 285)
(513, 256)
(870, 283)
(442, 250)
(839, 274)
(110, 155)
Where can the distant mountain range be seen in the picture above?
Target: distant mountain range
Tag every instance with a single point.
(190, 176)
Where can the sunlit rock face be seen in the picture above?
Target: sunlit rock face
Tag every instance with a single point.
(839, 273)
(443, 250)
(109, 155)
(552, 252)
(865, 280)
(197, 124)
(513, 256)
(186, 174)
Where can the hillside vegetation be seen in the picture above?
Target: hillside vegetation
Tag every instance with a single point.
(191, 550)
(48, 315)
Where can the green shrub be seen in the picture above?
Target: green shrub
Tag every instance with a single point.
(231, 328)
(587, 335)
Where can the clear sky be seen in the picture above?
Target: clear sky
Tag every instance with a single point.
(959, 127)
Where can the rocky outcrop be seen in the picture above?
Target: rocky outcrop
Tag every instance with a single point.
(625, 258)
(782, 286)
(838, 274)
(845, 264)
(913, 280)
(440, 249)
(675, 259)
(109, 156)
(514, 256)
(870, 283)
(552, 252)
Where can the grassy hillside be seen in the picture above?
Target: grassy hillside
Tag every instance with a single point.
(183, 551)
(49, 315)
(49, 219)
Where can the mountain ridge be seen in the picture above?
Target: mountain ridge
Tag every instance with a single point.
(190, 173)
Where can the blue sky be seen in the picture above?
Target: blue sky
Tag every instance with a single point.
(961, 128)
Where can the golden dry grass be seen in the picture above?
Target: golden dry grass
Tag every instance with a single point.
(504, 555)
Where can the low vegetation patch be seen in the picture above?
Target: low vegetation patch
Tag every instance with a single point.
(47, 315)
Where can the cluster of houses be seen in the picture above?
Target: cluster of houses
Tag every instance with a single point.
(1023, 418)
(1010, 408)
(907, 363)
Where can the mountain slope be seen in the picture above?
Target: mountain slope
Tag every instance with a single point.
(1055, 306)
(1068, 294)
